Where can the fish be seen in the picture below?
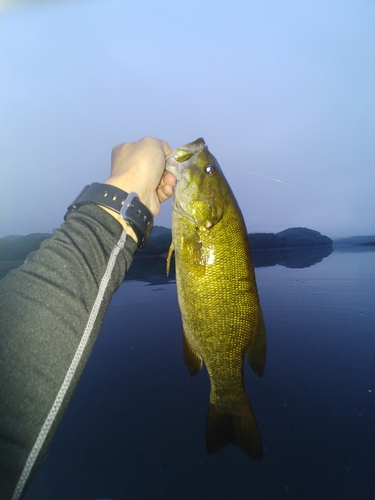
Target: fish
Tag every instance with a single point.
(222, 319)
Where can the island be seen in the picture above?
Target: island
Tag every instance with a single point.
(265, 247)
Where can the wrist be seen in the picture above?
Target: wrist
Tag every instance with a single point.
(125, 224)
(126, 208)
(126, 184)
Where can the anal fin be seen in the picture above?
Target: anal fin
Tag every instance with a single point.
(192, 360)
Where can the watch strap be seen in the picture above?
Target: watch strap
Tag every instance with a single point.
(127, 205)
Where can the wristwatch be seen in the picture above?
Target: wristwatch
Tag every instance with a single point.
(137, 215)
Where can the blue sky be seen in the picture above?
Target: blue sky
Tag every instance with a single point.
(281, 88)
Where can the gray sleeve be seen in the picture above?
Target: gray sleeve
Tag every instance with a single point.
(51, 310)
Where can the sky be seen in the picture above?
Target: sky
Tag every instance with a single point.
(281, 91)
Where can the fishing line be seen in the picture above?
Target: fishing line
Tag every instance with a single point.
(324, 196)
(271, 178)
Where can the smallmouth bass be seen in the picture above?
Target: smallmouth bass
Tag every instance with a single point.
(217, 294)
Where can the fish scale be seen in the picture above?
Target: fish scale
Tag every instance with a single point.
(217, 293)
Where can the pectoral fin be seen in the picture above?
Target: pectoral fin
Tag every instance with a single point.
(169, 257)
(257, 347)
(192, 360)
(194, 254)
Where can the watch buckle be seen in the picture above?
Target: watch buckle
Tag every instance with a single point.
(127, 204)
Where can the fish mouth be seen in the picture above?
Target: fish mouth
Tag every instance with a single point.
(176, 163)
(172, 166)
(181, 157)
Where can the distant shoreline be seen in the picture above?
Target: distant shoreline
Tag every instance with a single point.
(371, 243)
(14, 249)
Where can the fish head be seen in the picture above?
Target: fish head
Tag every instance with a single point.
(201, 189)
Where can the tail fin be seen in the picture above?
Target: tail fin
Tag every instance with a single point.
(240, 429)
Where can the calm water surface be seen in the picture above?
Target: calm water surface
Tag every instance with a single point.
(135, 428)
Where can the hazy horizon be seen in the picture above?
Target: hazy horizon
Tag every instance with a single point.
(282, 92)
(258, 232)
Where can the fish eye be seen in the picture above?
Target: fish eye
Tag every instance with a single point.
(210, 169)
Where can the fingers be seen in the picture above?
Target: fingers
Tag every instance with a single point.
(151, 142)
(169, 178)
(166, 187)
(168, 190)
(166, 148)
(139, 167)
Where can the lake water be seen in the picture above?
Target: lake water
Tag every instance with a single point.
(135, 428)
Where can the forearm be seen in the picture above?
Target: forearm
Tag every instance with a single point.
(51, 311)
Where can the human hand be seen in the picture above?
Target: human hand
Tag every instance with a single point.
(140, 167)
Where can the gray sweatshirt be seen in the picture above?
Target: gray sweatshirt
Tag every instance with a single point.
(51, 311)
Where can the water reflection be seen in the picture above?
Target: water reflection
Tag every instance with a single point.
(294, 258)
(153, 269)
(135, 426)
(365, 247)
(146, 268)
